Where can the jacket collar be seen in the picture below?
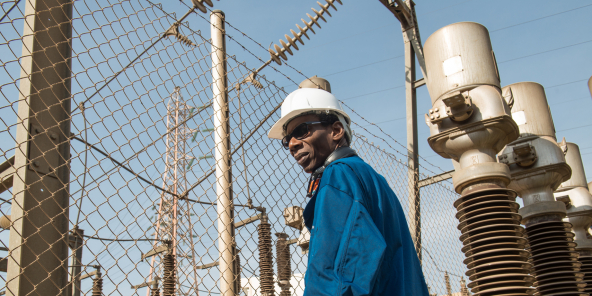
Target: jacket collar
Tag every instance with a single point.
(339, 153)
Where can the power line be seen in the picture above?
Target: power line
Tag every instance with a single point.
(346, 70)
(433, 11)
(557, 85)
(381, 122)
(10, 9)
(362, 95)
(563, 102)
(571, 128)
(121, 240)
(546, 51)
(540, 18)
(436, 264)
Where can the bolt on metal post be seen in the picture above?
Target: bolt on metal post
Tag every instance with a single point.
(222, 155)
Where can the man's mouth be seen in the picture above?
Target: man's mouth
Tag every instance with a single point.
(301, 158)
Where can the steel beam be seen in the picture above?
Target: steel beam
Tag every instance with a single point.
(224, 205)
(6, 174)
(436, 179)
(38, 242)
(247, 221)
(76, 241)
(209, 265)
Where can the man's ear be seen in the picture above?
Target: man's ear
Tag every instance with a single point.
(338, 131)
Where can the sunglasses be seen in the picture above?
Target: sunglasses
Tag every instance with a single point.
(300, 132)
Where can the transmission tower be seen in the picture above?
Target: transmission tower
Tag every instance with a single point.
(173, 219)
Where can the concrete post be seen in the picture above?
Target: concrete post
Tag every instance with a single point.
(38, 256)
(222, 155)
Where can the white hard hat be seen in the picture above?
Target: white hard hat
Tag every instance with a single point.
(307, 101)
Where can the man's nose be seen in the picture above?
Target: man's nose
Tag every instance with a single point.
(294, 144)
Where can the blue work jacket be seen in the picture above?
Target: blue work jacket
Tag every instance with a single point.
(360, 243)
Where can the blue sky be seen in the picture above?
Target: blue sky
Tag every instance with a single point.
(366, 36)
(359, 50)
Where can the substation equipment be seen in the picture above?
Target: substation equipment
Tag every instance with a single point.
(574, 192)
(590, 85)
(470, 122)
(537, 167)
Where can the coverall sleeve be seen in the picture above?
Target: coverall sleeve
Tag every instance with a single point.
(346, 246)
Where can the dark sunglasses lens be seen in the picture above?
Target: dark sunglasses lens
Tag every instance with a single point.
(300, 131)
(286, 142)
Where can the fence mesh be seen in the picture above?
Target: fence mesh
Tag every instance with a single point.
(118, 196)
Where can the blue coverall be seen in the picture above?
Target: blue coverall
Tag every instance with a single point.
(360, 243)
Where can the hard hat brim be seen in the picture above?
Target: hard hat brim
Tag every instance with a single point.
(277, 130)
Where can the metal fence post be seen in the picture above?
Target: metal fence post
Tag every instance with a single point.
(404, 11)
(76, 241)
(38, 257)
(222, 155)
(412, 159)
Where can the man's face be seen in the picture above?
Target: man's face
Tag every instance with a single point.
(312, 151)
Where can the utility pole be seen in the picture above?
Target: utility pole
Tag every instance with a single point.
(38, 242)
(404, 11)
(222, 155)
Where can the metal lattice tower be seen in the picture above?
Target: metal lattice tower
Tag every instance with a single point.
(173, 219)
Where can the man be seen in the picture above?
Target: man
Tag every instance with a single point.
(360, 243)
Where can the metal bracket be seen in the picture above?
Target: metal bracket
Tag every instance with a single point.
(565, 199)
(293, 217)
(457, 106)
(248, 221)
(155, 251)
(3, 264)
(522, 155)
(435, 179)
(209, 265)
(89, 274)
(508, 97)
(6, 174)
(146, 284)
(563, 146)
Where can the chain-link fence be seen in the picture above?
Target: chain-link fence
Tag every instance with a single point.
(109, 149)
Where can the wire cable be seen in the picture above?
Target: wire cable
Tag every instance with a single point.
(120, 240)
(546, 51)
(10, 9)
(436, 264)
(540, 18)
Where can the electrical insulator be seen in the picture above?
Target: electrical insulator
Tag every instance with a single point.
(154, 290)
(574, 192)
(284, 263)
(174, 31)
(470, 123)
(97, 289)
(537, 165)
(169, 280)
(265, 257)
(199, 4)
(280, 51)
